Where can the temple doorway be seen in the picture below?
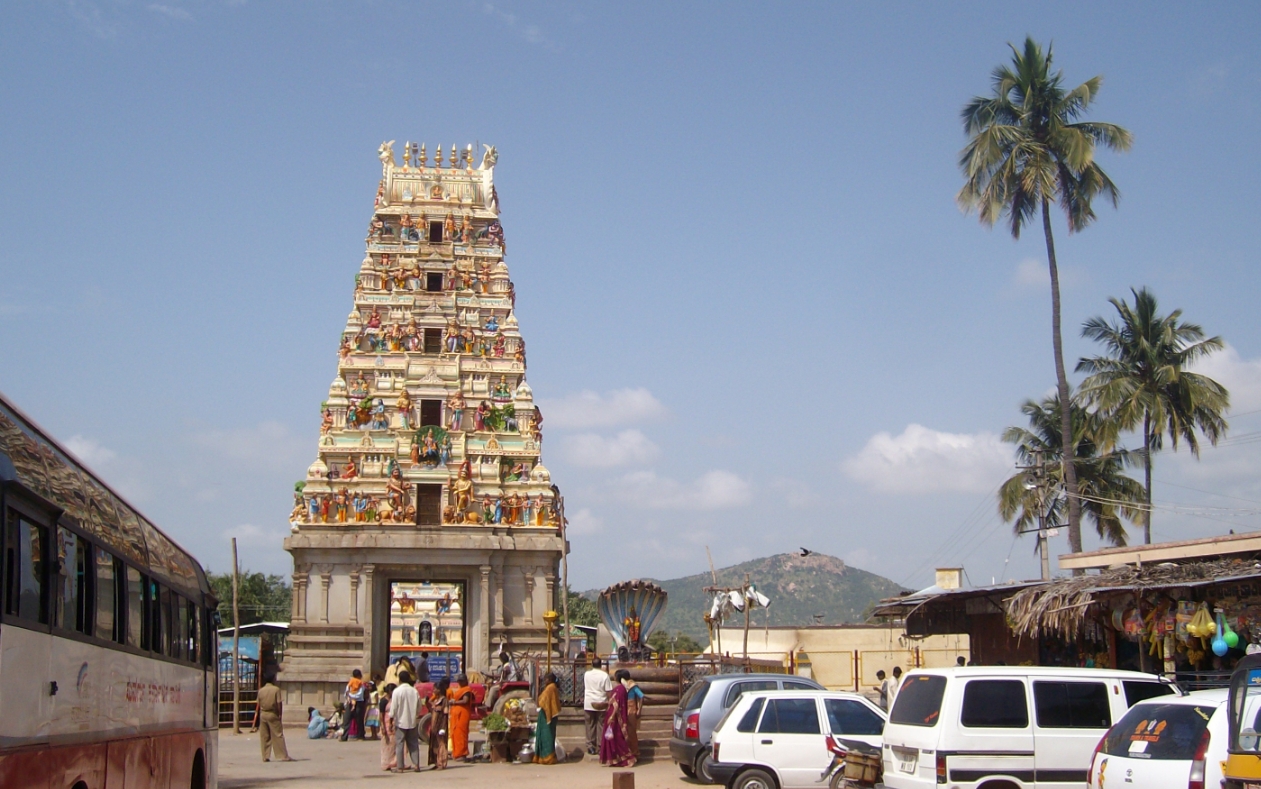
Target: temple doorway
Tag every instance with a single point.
(428, 616)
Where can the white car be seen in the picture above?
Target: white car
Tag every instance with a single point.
(786, 738)
(1173, 741)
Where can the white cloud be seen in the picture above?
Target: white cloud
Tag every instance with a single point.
(170, 11)
(587, 409)
(584, 522)
(860, 558)
(268, 445)
(249, 534)
(1033, 274)
(531, 33)
(713, 490)
(1242, 377)
(921, 460)
(89, 450)
(628, 447)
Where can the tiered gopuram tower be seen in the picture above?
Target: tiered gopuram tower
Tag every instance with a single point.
(428, 485)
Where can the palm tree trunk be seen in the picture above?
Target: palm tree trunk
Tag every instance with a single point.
(1068, 448)
(1147, 471)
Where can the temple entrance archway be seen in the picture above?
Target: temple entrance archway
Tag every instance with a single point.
(428, 616)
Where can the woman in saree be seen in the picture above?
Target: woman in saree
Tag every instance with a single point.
(615, 748)
(545, 731)
(461, 713)
(634, 706)
(387, 729)
(438, 705)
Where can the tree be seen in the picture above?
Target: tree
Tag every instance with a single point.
(1107, 494)
(680, 642)
(1142, 380)
(263, 598)
(582, 610)
(1027, 149)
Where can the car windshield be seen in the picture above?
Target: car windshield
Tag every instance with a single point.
(1159, 731)
(1245, 712)
(694, 696)
(919, 701)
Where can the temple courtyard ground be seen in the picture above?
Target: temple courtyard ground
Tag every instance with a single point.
(328, 763)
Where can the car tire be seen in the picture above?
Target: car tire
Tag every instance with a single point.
(701, 768)
(687, 771)
(754, 779)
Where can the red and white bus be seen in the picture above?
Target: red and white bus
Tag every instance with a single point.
(107, 640)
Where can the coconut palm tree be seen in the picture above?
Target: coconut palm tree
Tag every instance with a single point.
(1142, 380)
(1107, 494)
(1028, 149)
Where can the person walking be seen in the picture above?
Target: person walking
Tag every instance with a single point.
(595, 700)
(545, 730)
(634, 706)
(895, 684)
(267, 720)
(405, 704)
(389, 759)
(461, 713)
(883, 688)
(439, 707)
(615, 750)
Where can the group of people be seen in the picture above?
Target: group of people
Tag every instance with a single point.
(888, 687)
(445, 712)
(612, 707)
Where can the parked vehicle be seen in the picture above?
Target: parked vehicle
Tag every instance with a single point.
(1171, 742)
(1019, 727)
(789, 738)
(704, 704)
(1243, 746)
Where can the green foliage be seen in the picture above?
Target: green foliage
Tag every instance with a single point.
(495, 722)
(1143, 380)
(263, 598)
(497, 417)
(582, 610)
(662, 641)
(1107, 494)
(299, 486)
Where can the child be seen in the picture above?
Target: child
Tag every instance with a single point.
(372, 718)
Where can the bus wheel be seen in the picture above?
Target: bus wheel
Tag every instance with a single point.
(198, 781)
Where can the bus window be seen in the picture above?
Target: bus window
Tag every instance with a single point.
(166, 643)
(194, 632)
(154, 617)
(106, 596)
(25, 568)
(135, 609)
(72, 610)
(179, 612)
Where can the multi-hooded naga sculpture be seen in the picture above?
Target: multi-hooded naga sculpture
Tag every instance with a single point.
(630, 610)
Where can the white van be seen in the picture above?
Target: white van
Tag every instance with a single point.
(1006, 727)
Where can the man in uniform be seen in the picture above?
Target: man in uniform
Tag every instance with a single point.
(271, 735)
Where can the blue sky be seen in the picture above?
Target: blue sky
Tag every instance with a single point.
(756, 318)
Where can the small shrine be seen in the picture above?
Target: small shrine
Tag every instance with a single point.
(427, 522)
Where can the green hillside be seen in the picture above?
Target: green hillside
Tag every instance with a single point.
(800, 589)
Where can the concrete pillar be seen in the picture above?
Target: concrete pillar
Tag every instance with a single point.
(370, 611)
(484, 612)
(354, 596)
(527, 575)
(325, 579)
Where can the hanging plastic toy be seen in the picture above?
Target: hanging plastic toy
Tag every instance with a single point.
(1219, 642)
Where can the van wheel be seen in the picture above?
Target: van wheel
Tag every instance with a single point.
(999, 785)
(701, 770)
(754, 779)
(687, 771)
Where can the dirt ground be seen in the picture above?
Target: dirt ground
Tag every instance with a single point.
(322, 764)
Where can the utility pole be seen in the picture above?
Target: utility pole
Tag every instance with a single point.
(236, 645)
(747, 608)
(1039, 485)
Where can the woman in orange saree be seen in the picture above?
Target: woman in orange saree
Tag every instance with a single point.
(461, 713)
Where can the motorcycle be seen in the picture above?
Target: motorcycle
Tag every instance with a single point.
(855, 765)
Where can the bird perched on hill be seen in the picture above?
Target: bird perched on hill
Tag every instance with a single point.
(806, 552)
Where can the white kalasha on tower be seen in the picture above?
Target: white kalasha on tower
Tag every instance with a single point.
(428, 482)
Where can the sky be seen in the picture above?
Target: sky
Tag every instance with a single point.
(757, 319)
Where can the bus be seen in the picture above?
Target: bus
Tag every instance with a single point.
(107, 636)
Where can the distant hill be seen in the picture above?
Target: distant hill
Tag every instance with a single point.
(799, 587)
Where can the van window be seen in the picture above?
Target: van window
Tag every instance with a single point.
(995, 704)
(918, 702)
(737, 688)
(852, 717)
(749, 722)
(1159, 731)
(694, 696)
(790, 716)
(798, 686)
(1138, 690)
(1072, 705)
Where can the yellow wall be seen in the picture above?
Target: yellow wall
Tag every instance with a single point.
(832, 650)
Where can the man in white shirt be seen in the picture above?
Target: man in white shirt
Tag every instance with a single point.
(595, 700)
(895, 684)
(405, 706)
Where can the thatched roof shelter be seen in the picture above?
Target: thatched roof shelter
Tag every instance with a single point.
(1060, 607)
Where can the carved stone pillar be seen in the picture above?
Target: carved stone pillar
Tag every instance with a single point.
(484, 611)
(299, 596)
(527, 575)
(354, 595)
(369, 612)
(499, 593)
(326, 578)
(551, 593)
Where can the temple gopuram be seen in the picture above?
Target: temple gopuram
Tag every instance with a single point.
(427, 522)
